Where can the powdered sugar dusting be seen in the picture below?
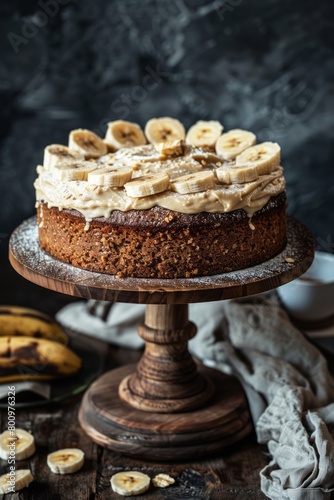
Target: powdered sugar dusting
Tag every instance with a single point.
(289, 264)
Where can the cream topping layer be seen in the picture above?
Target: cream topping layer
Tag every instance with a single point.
(99, 201)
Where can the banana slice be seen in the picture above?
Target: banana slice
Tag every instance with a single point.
(110, 177)
(162, 481)
(265, 157)
(234, 142)
(122, 134)
(23, 478)
(130, 483)
(76, 171)
(170, 148)
(194, 183)
(87, 143)
(23, 441)
(66, 461)
(164, 130)
(57, 153)
(204, 134)
(147, 185)
(232, 174)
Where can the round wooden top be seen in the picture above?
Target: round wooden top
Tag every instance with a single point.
(34, 264)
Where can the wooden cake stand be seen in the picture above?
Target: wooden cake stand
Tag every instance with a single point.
(167, 407)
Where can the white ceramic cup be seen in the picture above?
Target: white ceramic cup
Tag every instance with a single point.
(311, 296)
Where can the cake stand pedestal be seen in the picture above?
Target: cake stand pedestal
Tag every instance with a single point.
(168, 407)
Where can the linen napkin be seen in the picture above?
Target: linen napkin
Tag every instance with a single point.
(286, 379)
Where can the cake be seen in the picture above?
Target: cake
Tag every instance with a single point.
(163, 202)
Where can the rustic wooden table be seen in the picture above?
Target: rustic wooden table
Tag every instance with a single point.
(233, 474)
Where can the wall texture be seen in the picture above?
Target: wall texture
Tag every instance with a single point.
(260, 65)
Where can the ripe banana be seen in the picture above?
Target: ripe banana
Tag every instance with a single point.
(57, 153)
(23, 478)
(170, 148)
(234, 142)
(164, 130)
(110, 177)
(23, 441)
(204, 134)
(66, 461)
(130, 483)
(23, 321)
(29, 358)
(122, 134)
(162, 481)
(265, 157)
(147, 185)
(194, 182)
(75, 171)
(87, 143)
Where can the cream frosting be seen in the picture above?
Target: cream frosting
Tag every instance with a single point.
(99, 201)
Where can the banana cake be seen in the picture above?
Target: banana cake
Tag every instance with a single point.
(162, 202)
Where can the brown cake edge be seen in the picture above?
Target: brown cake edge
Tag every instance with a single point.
(159, 243)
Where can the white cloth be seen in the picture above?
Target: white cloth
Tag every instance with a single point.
(286, 379)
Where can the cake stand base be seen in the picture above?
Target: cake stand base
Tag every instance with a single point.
(114, 424)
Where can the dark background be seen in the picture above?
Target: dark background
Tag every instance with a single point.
(266, 66)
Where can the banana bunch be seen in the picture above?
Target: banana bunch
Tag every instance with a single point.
(33, 347)
(22, 321)
(31, 358)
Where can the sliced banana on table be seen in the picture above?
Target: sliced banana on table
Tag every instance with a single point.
(163, 481)
(234, 142)
(66, 461)
(123, 134)
(130, 483)
(22, 440)
(147, 185)
(23, 477)
(75, 171)
(164, 130)
(194, 182)
(110, 177)
(204, 134)
(265, 156)
(27, 322)
(87, 143)
(57, 153)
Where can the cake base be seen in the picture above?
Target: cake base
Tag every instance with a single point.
(160, 243)
(114, 424)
